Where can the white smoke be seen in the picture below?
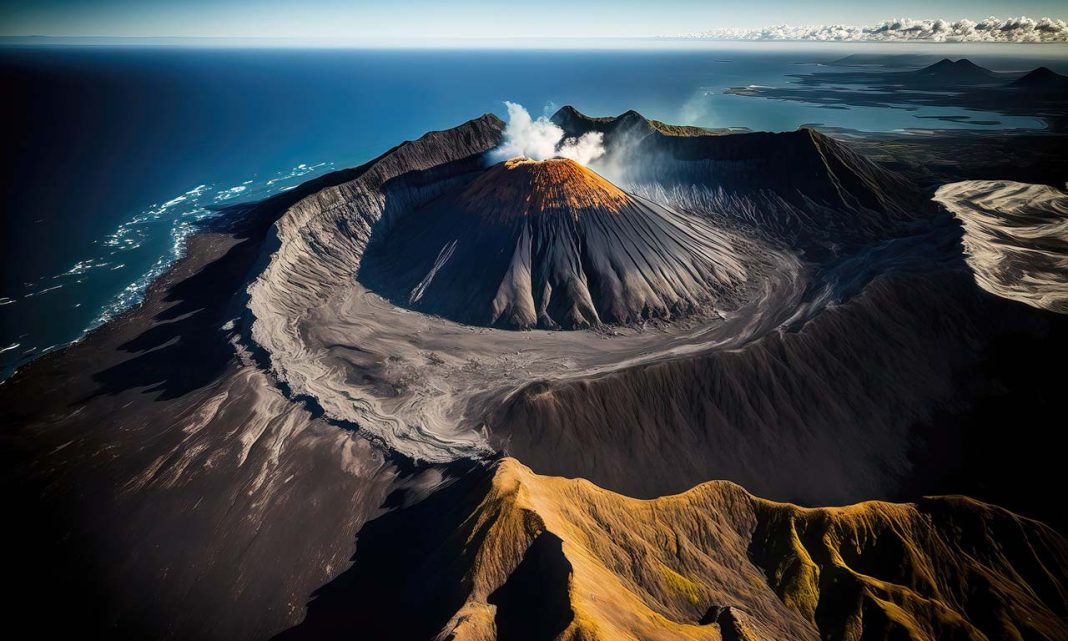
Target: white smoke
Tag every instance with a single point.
(541, 139)
(1006, 30)
(584, 149)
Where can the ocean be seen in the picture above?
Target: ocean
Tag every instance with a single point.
(112, 155)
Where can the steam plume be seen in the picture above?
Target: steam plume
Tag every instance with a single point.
(539, 139)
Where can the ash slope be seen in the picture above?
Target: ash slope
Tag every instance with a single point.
(314, 255)
(1016, 238)
(154, 474)
(552, 244)
(515, 555)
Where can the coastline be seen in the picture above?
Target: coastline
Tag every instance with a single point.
(98, 433)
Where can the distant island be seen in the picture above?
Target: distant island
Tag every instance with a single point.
(1041, 93)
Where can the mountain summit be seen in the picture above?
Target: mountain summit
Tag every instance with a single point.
(962, 71)
(524, 188)
(1043, 80)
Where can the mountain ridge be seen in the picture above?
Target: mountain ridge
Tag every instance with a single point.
(798, 165)
(711, 563)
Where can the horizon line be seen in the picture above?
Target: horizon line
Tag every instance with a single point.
(437, 42)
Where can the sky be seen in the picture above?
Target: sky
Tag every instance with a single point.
(443, 19)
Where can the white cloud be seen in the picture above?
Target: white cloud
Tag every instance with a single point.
(1010, 30)
(541, 138)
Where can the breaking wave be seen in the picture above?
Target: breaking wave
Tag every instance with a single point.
(152, 240)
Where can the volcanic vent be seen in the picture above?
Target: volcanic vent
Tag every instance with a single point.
(551, 244)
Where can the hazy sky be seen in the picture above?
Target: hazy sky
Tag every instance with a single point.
(468, 18)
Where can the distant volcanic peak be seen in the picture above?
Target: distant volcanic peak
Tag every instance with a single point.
(963, 63)
(1037, 74)
(519, 188)
(1042, 78)
(961, 70)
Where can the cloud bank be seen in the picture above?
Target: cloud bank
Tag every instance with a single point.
(541, 138)
(1008, 30)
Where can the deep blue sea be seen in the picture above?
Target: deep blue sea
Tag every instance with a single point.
(112, 154)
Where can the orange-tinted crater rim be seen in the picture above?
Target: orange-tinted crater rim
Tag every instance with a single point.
(524, 187)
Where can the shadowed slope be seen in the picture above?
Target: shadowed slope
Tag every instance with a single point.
(826, 198)
(805, 167)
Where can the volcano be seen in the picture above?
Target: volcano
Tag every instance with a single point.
(962, 71)
(1043, 80)
(831, 338)
(551, 244)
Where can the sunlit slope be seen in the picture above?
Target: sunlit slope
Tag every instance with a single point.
(517, 555)
(1015, 238)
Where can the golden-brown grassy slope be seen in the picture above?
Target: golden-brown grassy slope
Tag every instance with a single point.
(557, 558)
